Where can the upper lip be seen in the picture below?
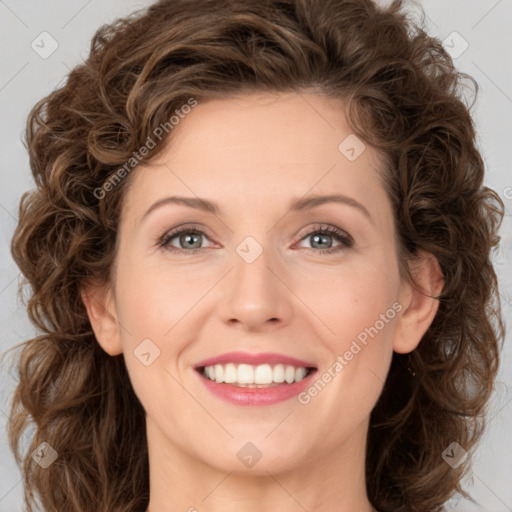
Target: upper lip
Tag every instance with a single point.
(254, 359)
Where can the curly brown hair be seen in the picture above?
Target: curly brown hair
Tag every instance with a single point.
(402, 96)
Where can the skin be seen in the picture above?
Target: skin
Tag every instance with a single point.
(253, 155)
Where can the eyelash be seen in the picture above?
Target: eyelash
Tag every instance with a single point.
(345, 239)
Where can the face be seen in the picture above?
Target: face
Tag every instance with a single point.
(262, 279)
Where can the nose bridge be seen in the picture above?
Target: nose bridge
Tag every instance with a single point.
(255, 295)
(251, 265)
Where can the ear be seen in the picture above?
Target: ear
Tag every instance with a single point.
(97, 298)
(419, 306)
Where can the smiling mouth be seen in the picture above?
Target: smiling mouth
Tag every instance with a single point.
(255, 376)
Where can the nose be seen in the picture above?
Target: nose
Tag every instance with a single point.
(255, 295)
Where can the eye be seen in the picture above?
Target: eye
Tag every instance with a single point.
(188, 239)
(321, 239)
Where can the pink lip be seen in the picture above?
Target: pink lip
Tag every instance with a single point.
(254, 359)
(256, 396)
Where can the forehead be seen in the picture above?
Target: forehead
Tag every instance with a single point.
(298, 127)
(264, 148)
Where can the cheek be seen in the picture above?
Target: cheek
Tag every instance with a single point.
(154, 304)
(149, 310)
(349, 300)
(155, 296)
(360, 353)
(359, 309)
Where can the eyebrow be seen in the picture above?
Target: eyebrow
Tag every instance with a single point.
(301, 204)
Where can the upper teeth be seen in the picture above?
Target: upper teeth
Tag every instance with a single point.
(246, 374)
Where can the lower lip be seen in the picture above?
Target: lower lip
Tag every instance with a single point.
(256, 396)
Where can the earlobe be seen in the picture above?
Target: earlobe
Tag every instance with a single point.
(98, 302)
(419, 303)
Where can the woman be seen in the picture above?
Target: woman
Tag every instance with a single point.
(259, 257)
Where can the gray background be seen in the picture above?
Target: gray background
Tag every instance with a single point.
(25, 77)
